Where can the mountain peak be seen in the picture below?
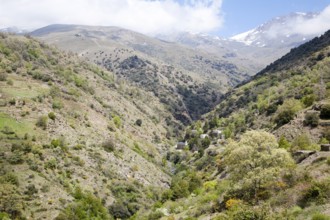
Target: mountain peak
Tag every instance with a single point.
(278, 32)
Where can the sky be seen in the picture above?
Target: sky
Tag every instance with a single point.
(152, 17)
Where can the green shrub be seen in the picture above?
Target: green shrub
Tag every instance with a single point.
(85, 206)
(117, 121)
(4, 216)
(308, 100)
(109, 145)
(319, 216)
(31, 189)
(119, 210)
(42, 122)
(51, 115)
(57, 104)
(9, 178)
(243, 212)
(286, 112)
(24, 146)
(10, 201)
(318, 193)
(325, 111)
(155, 215)
(284, 143)
(326, 134)
(311, 119)
(16, 158)
(302, 142)
(54, 91)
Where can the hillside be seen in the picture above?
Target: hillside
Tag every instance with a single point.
(187, 80)
(80, 142)
(71, 133)
(257, 155)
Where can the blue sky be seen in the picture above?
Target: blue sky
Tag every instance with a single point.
(243, 15)
(153, 17)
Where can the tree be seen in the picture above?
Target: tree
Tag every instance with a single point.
(255, 163)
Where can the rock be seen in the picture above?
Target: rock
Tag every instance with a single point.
(325, 147)
(301, 155)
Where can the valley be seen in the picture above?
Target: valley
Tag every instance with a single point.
(106, 123)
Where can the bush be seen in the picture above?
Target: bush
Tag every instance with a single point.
(311, 119)
(326, 134)
(303, 142)
(9, 178)
(109, 145)
(138, 122)
(51, 115)
(287, 111)
(119, 210)
(155, 215)
(3, 76)
(117, 121)
(243, 212)
(308, 100)
(12, 101)
(57, 104)
(318, 193)
(86, 206)
(320, 216)
(284, 143)
(16, 158)
(42, 122)
(325, 111)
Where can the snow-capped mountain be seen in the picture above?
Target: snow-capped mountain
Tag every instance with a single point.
(279, 32)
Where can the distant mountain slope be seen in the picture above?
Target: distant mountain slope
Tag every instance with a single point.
(188, 81)
(275, 33)
(255, 48)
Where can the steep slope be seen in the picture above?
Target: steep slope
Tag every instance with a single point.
(299, 78)
(186, 80)
(257, 155)
(71, 136)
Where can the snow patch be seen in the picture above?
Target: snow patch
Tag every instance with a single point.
(245, 37)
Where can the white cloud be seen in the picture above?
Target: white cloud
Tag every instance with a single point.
(303, 25)
(145, 16)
